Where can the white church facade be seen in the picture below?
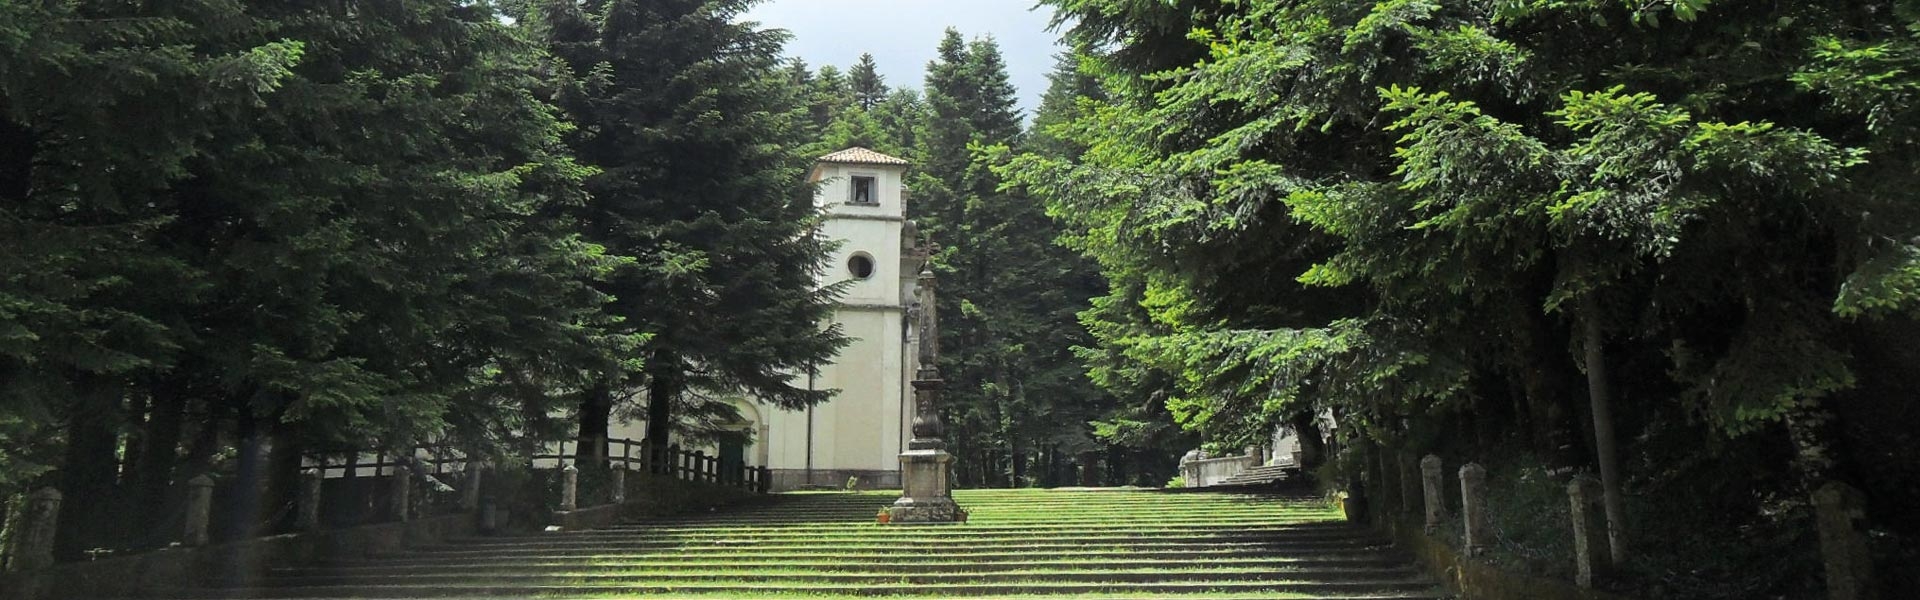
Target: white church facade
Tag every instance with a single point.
(862, 430)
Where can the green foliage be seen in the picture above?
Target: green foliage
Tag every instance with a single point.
(697, 133)
(1403, 214)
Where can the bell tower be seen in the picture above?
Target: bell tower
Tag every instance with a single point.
(862, 430)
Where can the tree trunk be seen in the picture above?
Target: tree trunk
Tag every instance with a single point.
(1313, 448)
(662, 388)
(283, 476)
(160, 456)
(1603, 437)
(247, 478)
(139, 418)
(596, 419)
(87, 471)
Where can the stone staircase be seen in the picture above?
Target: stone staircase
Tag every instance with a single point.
(1262, 476)
(1056, 543)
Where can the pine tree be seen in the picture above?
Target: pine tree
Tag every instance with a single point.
(869, 88)
(690, 118)
(1009, 293)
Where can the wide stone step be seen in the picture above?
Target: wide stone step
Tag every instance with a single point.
(877, 563)
(1416, 588)
(1377, 553)
(1268, 544)
(797, 578)
(1263, 529)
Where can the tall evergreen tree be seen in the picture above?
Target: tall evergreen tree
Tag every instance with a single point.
(354, 263)
(1009, 294)
(869, 88)
(689, 116)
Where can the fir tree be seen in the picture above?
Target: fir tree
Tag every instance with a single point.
(690, 118)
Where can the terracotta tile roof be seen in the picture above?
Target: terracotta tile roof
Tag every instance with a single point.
(862, 156)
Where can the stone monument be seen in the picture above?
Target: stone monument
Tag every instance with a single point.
(925, 493)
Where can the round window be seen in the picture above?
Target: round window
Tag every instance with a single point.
(861, 266)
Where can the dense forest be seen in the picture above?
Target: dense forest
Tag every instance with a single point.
(238, 234)
(1669, 243)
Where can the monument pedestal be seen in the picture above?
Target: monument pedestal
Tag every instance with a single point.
(925, 496)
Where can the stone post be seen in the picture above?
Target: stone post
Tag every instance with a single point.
(618, 479)
(569, 488)
(1409, 484)
(470, 492)
(489, 515)
(39, 524)
(199, 510)
(1433, 489)
(1388, 484)
(1839, 511)
(402, 508)
(309, 518)
(1473, 509)
(1591, 555)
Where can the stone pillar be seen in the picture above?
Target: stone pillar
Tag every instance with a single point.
(1840, 512)
(489, 515)
(618, 479)
(1433, 490)
(1388, 483)
(402, 508)
(1473, 510)
(1592, 558)
(309, 518)
(199, 510)
(569, 488)
(1409, 484)
(34, 546)
(470, 487)
(925, 492)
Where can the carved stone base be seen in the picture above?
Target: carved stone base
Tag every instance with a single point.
(925, 496)
(932, 512)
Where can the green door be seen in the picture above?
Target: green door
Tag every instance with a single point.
(733, 456)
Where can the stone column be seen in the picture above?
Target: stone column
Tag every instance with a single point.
(1388, 483)
(34, 546)
(1433, 489)
(199, 510)
(618, 479)
(569, 488)
(402, 508)
(489, 515)
(1840, 510)
(1409, 484)
(1591, 556)
(309, 518)
(926, 494)
(470, 487)
(1473, 509)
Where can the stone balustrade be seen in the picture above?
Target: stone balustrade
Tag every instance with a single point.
(1198, 470)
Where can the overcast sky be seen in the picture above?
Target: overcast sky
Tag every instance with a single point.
(903, 34)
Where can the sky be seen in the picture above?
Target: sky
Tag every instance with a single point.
(903, 34)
